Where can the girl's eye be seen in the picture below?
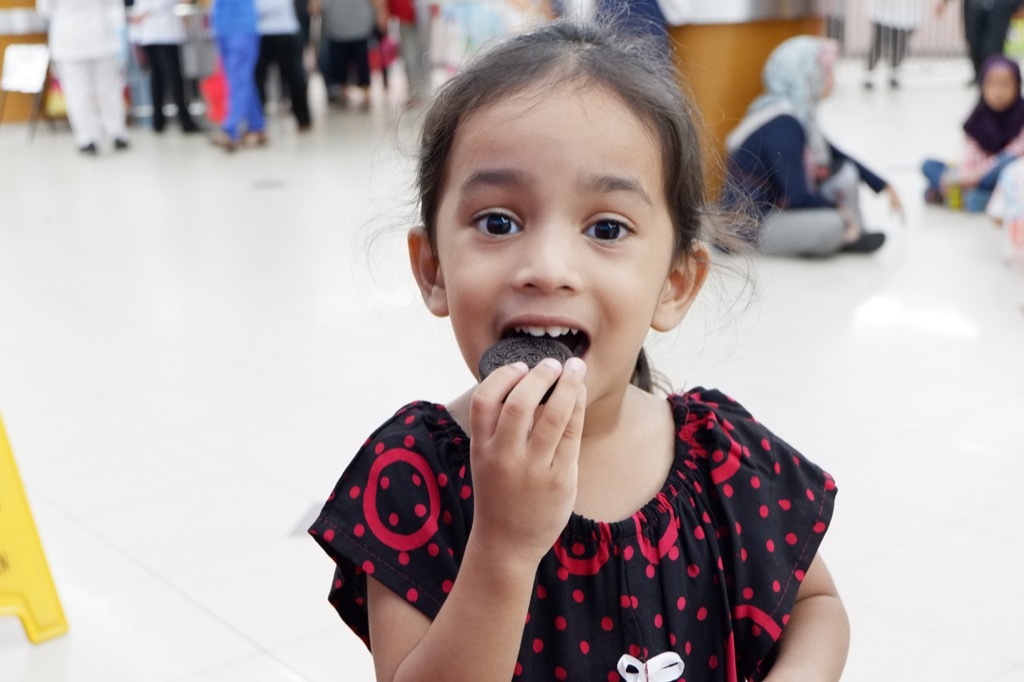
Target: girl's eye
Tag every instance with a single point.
(607, 230)
(497, 225)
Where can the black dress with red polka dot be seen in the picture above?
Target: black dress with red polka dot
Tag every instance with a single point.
(708, 570)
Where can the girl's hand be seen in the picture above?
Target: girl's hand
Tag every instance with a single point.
(525, 456)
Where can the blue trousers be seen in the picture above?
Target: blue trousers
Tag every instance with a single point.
(976, 198)
(239, 53)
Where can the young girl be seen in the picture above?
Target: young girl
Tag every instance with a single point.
(995, 138)
(609, 533)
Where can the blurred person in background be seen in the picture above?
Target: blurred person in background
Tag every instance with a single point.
(892, 22)
(235, 25)
(985, 25)
(281, 44)
(412, 47)
(160, 32)
(347, 28)
(804, 190)
(86, 45)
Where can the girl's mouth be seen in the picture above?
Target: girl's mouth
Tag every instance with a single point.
(576, 340)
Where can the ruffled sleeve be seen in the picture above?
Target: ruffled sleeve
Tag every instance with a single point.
(401, 512)
(771, 507)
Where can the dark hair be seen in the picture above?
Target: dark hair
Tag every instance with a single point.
(566, 53)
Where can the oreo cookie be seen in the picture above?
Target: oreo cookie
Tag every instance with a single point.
(528, 349)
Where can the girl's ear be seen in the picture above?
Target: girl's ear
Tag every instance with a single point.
(682, 285)
(427, 271)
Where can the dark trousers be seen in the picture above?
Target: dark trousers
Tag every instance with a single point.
(985, 27)
(888, 39)
(346, 55)
(164, 73)
(285, 50)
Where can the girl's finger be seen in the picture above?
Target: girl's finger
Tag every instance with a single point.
(567, 452)
(487, 402)
(549, 430)
(516, 419)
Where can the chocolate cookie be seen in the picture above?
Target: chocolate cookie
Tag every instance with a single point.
(528, 349)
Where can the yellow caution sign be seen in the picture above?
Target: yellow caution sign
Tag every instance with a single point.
(26, 587)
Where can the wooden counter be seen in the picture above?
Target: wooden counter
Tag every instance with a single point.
(18, 106)
(720, 65)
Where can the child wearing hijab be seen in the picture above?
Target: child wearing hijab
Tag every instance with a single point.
(995, 138)
(804, 190)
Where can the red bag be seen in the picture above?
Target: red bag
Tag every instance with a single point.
(215, 92)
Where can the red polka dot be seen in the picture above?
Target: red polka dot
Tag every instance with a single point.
(359, 530)
(765, 444)
(791, 538)
(650, 570)
(777, 468)
(830, 484)
(410, 419)
(776, 586)
(681, 603)
(658, 621)
(607, 624)
(538, 646)
(688, 648)
(412, 595)
(785, 619)
(702, 613)
(634, 650)
(756, 630)
(403, 558)
(368, 567)
(673, 553)
(739, 528)
(713, 662)
(743, 554)
(748, 593)
(519, 669)
(785, 504)
(442, 480)
(717, 456)
(698, 533)
(354, 492)
(338, 584)
(799, 575)
(378, 448)
(409, 441)
(393, 519)
(446, 586)
(727, 489)
(541, 592)
(614, 677)
(328, 535)
(563, 573)
(585, 646)
(819, 527)
(385, 482)
(433, 549)
(810, 495)
(560, 623)
(447, 516)
(420, 510)
(693, 570)
(466, 493)
(763, 511)
(672, 639)
(755, 482)
(577, 596)
(560, 673)
(624, 601)
(627, 553)
(577, 548)
(770, 545)
(634, 602)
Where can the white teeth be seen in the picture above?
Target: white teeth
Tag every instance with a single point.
(546, 331)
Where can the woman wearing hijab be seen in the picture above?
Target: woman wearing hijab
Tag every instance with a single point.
(804, 191)
(995, 138)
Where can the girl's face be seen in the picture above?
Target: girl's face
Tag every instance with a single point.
(999, 89)
(553, 219)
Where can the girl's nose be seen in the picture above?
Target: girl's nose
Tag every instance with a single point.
(550, 261)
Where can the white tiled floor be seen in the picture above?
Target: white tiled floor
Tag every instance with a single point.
(176, 334)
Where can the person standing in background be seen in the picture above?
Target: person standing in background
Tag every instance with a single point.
(281, 44)
(235, 25)
(347, 27)
(412, 47)
(85, 38)
(892, 22)
(160, 32)
(985, 25)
